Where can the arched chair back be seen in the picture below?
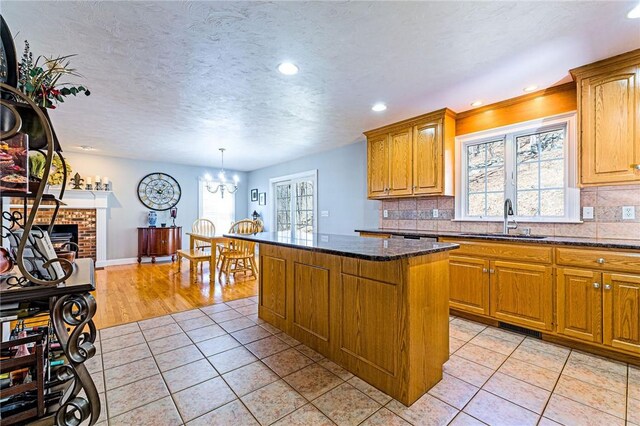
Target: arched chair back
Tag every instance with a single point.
(203, 227)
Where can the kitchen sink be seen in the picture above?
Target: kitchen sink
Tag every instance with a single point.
(499, 234)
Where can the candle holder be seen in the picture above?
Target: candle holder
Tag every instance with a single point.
(107, 186)
(88, 187)
(99, 186)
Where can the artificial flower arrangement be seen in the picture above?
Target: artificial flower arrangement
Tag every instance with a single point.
(40, 79)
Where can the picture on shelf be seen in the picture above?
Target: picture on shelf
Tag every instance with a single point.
(14, 164)
(263, 199)
(254, 194)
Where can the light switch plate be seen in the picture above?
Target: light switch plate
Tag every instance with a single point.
(324, 213)
(628, 212)
(587, 212)
(385, 213)
(324, 238)
(436, 213)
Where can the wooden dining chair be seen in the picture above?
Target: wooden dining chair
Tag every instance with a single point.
(239, 255)
(203, 227)
(201, 251)
(259, 225)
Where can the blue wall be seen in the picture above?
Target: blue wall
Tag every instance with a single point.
(342, 188)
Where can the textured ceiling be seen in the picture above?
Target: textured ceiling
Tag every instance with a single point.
(173, 81)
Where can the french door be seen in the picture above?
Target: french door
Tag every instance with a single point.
(295, 201)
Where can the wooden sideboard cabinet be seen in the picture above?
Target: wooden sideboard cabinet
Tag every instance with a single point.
(414, 157)
(159, 242)
(609, 120)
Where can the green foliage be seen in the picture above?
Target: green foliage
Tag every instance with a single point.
(40, 79)
(37, 162)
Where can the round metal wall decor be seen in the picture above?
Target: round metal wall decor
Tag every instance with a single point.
(159, 191)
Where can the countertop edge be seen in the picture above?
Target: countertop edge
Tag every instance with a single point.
(565, 241)
(374, 258)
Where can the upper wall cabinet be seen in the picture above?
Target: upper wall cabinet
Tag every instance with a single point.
(414, 157)
(609, 120)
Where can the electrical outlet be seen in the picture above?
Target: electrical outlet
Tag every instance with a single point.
(628, 212)
(324, 213)
(385, 243)
(385, 213)
(587, 212)
(435, 213)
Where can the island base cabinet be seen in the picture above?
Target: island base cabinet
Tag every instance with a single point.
(387, 322)
(521, 293)
(621, 308)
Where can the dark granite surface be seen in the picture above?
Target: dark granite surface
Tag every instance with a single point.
(350, 245)
(567, 241)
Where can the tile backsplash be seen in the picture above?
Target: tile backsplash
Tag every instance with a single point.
(607, 201)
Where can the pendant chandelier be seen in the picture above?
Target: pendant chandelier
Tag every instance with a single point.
(222, 185)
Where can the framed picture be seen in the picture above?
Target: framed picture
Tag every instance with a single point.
(254, 194)
(263, 199)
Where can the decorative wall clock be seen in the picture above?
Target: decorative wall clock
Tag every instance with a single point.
(159, 191)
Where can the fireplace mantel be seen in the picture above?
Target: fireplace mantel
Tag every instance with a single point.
(92, 200)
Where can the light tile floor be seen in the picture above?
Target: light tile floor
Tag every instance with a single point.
(221, 365)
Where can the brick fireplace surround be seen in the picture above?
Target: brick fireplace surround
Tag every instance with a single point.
(88, 210)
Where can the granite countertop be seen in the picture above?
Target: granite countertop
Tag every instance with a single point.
(568, 241)
(376, 249)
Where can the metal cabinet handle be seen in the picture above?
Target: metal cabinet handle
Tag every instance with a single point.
(607, 287)
(485, 270)
(491, 271)
(600, 260)
(596, 285)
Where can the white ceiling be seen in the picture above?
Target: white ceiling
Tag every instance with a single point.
(173, 81)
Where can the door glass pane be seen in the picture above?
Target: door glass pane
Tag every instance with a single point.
(283, 208)
(304, 208)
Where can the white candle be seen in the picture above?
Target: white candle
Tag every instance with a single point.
(87, 180)
(105, 180)
(97, 179)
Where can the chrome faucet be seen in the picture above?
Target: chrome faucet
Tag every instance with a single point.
(508, 211)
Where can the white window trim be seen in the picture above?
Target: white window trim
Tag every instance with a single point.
(201, 189)
(572, 197)
(313, 174)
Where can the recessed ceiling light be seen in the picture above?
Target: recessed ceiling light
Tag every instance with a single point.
(287, 68)
(530, 88)
(86, 148)
(378, 107)
(634, 13)
(476, 103)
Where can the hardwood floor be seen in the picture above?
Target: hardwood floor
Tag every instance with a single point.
(135, 292)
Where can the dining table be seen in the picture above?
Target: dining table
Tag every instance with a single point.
(210, 240)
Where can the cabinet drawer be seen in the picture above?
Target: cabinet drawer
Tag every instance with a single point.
(528, 253)
(599, 259)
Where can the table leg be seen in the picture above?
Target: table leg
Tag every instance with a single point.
(212, 262)
(192, 243)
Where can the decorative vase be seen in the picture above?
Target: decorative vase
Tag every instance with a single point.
(152, 217)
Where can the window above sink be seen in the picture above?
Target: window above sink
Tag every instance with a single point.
(532, 163)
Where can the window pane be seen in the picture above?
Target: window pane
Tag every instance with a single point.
(476, 180)
(221, 211)
(485, 172)
(495, 204)
(552, 144)
(552, 174)
(476, 204)
(552, 203)
(527, 176)
(495, 179)
(527, 204)
(527, 148)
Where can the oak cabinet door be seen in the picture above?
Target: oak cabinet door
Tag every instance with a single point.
(610, 125)
(400, 162)
(579, 304)
(378, 166)
(427, 158)
(469, 284)
(521, 293)
(621, 307)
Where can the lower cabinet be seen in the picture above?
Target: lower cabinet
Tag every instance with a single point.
(469, 284)
(599, 307)
(514, 292)
(522, 293)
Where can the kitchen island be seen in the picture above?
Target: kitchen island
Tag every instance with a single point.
(379, 308)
